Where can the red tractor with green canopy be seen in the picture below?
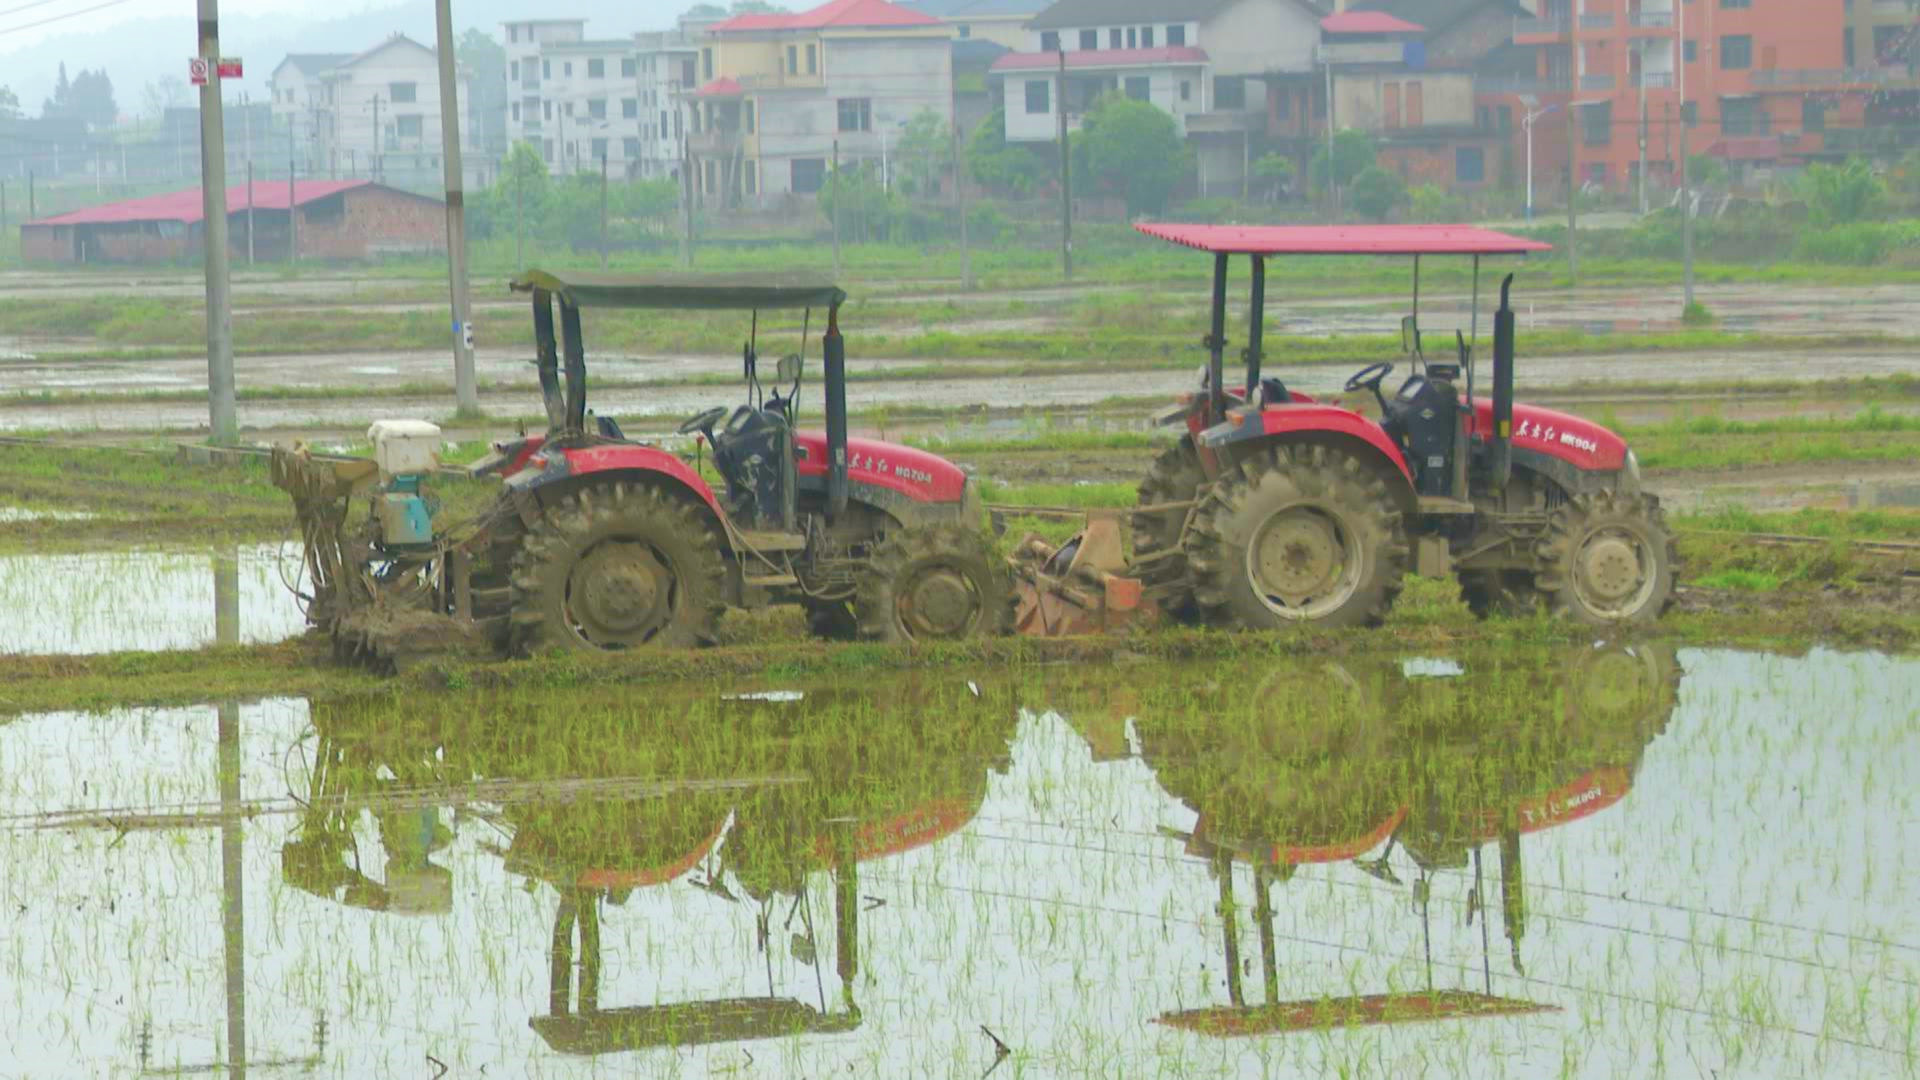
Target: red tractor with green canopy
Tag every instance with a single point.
(1274, 508)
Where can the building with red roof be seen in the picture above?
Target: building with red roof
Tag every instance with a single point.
(332, 219)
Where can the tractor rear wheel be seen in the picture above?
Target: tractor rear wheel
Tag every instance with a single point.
(616, 567)
(1508, 593)
(929, 584)
(1608, 558)
(1299, 534)
(1176, 476)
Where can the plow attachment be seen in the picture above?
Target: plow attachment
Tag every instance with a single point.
(1082, 586)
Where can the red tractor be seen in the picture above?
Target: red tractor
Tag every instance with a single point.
(598, 541)
(1275, 508)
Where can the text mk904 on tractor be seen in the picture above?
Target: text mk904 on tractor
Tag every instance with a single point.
(597, 541)
(1275, 508)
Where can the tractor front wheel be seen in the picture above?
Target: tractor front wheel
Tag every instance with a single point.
(1299, 534)
(1175, 477)
(1608, 559)
(931, 584)
(617, 567)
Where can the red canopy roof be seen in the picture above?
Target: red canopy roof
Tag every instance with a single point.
(1368, 22)
(1097, 58)
(832, 13)
(1344, 239)
(725, 86)
(185, 206)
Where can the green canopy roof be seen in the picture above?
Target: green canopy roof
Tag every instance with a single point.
(733, 292)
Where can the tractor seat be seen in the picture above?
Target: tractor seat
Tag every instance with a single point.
(609, 428)
(1271, 391)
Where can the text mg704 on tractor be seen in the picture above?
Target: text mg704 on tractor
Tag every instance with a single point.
(597, 541)
(1275, 509)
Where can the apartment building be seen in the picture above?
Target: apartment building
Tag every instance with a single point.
(373, 114)
(573, 97)
(1000, 22)
(1214, 65)
(779, 92)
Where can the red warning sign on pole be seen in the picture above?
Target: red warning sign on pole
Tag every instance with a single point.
(229, 67)
(197, 71)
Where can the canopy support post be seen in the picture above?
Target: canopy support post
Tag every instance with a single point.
(1256, 317)
(833, 358)
(1473, 321)
(547, 352)
(575, 351)
(1217, 343)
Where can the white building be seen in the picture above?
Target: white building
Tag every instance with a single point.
(374, 114)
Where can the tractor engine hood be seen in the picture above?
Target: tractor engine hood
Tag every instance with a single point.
(918, 475)
(1581, 443)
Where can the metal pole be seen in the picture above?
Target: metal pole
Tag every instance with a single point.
(1530, 118)
(1686, 182)
(373, 167)
(1643, 133)
(960, 197)
(249, 211)
(223, 419)
(1333, 179)
(603, 211)
(686, 204)
(833, 209)
(1573, 178)
(519, 231)
(293, 205)
(466, 391)
(1066, 177)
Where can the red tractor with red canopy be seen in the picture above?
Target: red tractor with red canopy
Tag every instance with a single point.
(1275, 508)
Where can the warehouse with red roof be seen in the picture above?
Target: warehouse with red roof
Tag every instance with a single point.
(330, 219)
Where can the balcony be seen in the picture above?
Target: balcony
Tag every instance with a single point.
(1596, 22)
(1521, 84)
(1833, 78)
(1222, 122)
(1656, 80)
(1650, 20)
(722, 143)
(1535, 30)
(1600, 83)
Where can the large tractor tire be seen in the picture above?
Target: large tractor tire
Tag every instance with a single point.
(1506, 593)
(616, 567)
(930, 584)
(1608, 559)
(1299, 534)
(1175, 477)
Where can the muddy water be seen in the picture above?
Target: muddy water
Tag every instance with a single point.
(145, 600)
(1604, 862)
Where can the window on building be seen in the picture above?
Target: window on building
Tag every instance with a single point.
(706, 63)
(1689, 113)
(1742, 116)
(1596, 123)
(1177, 34)
(1469, 165)
(856, 114)
(1089, 39)
(566, 69)
(1138, 88)
(596, 69)
(808, 175)
(546, 109)
(400, 93)
(1736, 52)
(1115, 38)
(1724, 4)
(1813, 114)
(1282, 105)
(1505, 113)
(630, 148)
(546, 150)
(793, 59)
(713, 178)
(1229, 92)
(1039, 97)
(629, 108)
(663, 123)
(1133, 38)
(964, 31)
(747, 112)
(513, 74)
(1146, 37)
(1049, 41)
(1846, 45)
(513, 34)
(546, 69)
(678, 126)
(628, 67)
(568, 107)
(1888, 43)
(515, 109)
(813, 59)
(597, 109)
(599, 149)
(1186, 90)
(1597, 172)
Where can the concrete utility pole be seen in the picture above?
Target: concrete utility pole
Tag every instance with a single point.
(603, 211)
(373, 165)
(1066, 176)
(686, 201)
(224, 423)
(1333, 175)
(1573, 135)
(960, 200)
(249, 211)
(293, 208)
(519, 217)
(466, 392)
(1686, 183)
(833, 209)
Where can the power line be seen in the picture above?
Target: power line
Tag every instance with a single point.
(24, 7)
(58, 18)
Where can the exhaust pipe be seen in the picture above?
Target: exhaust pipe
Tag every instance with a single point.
(833, 351)
(1502, 445)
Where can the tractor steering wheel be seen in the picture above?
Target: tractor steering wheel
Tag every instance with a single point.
(1370, 378)
(703, 422)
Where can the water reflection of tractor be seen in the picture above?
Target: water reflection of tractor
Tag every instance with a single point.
(748, 800)
(1376, 762)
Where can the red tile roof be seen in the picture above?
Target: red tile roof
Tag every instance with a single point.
(1099, 58)
(847, 13)
(1368, 22)
(185, 206)
(725, 86)
(1344, 239)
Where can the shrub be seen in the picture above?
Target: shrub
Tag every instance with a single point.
(1429, 202)
(1376, 191)
(1858, 244)
(986, 223)
(1696, 314)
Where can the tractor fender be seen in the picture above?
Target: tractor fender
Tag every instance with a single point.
(1247, 430)
(553, 473)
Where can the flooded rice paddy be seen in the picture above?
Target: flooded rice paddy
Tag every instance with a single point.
(146, 600)
(1608, 861)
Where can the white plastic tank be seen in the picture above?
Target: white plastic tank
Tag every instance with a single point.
(405, 447)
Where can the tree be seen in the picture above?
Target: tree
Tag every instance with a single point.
(1275, 173)
(1376, 191)
(998, 167)
(1705, 171)
(486, 62)
(162, 94)
(705, 11)
(91, 100)
(755, 7)
(1839, 194)
(1353, 153)
(1132, 147)
(923, 154)
(524, 171)
(9, 104)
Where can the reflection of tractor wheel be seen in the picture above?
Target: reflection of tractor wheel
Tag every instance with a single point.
(615, 567)
(1301, 534)
(1616, 684)
(929, 584)
(1175, 477)
(1608, 558)
(832, 620)
(1508, 593)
